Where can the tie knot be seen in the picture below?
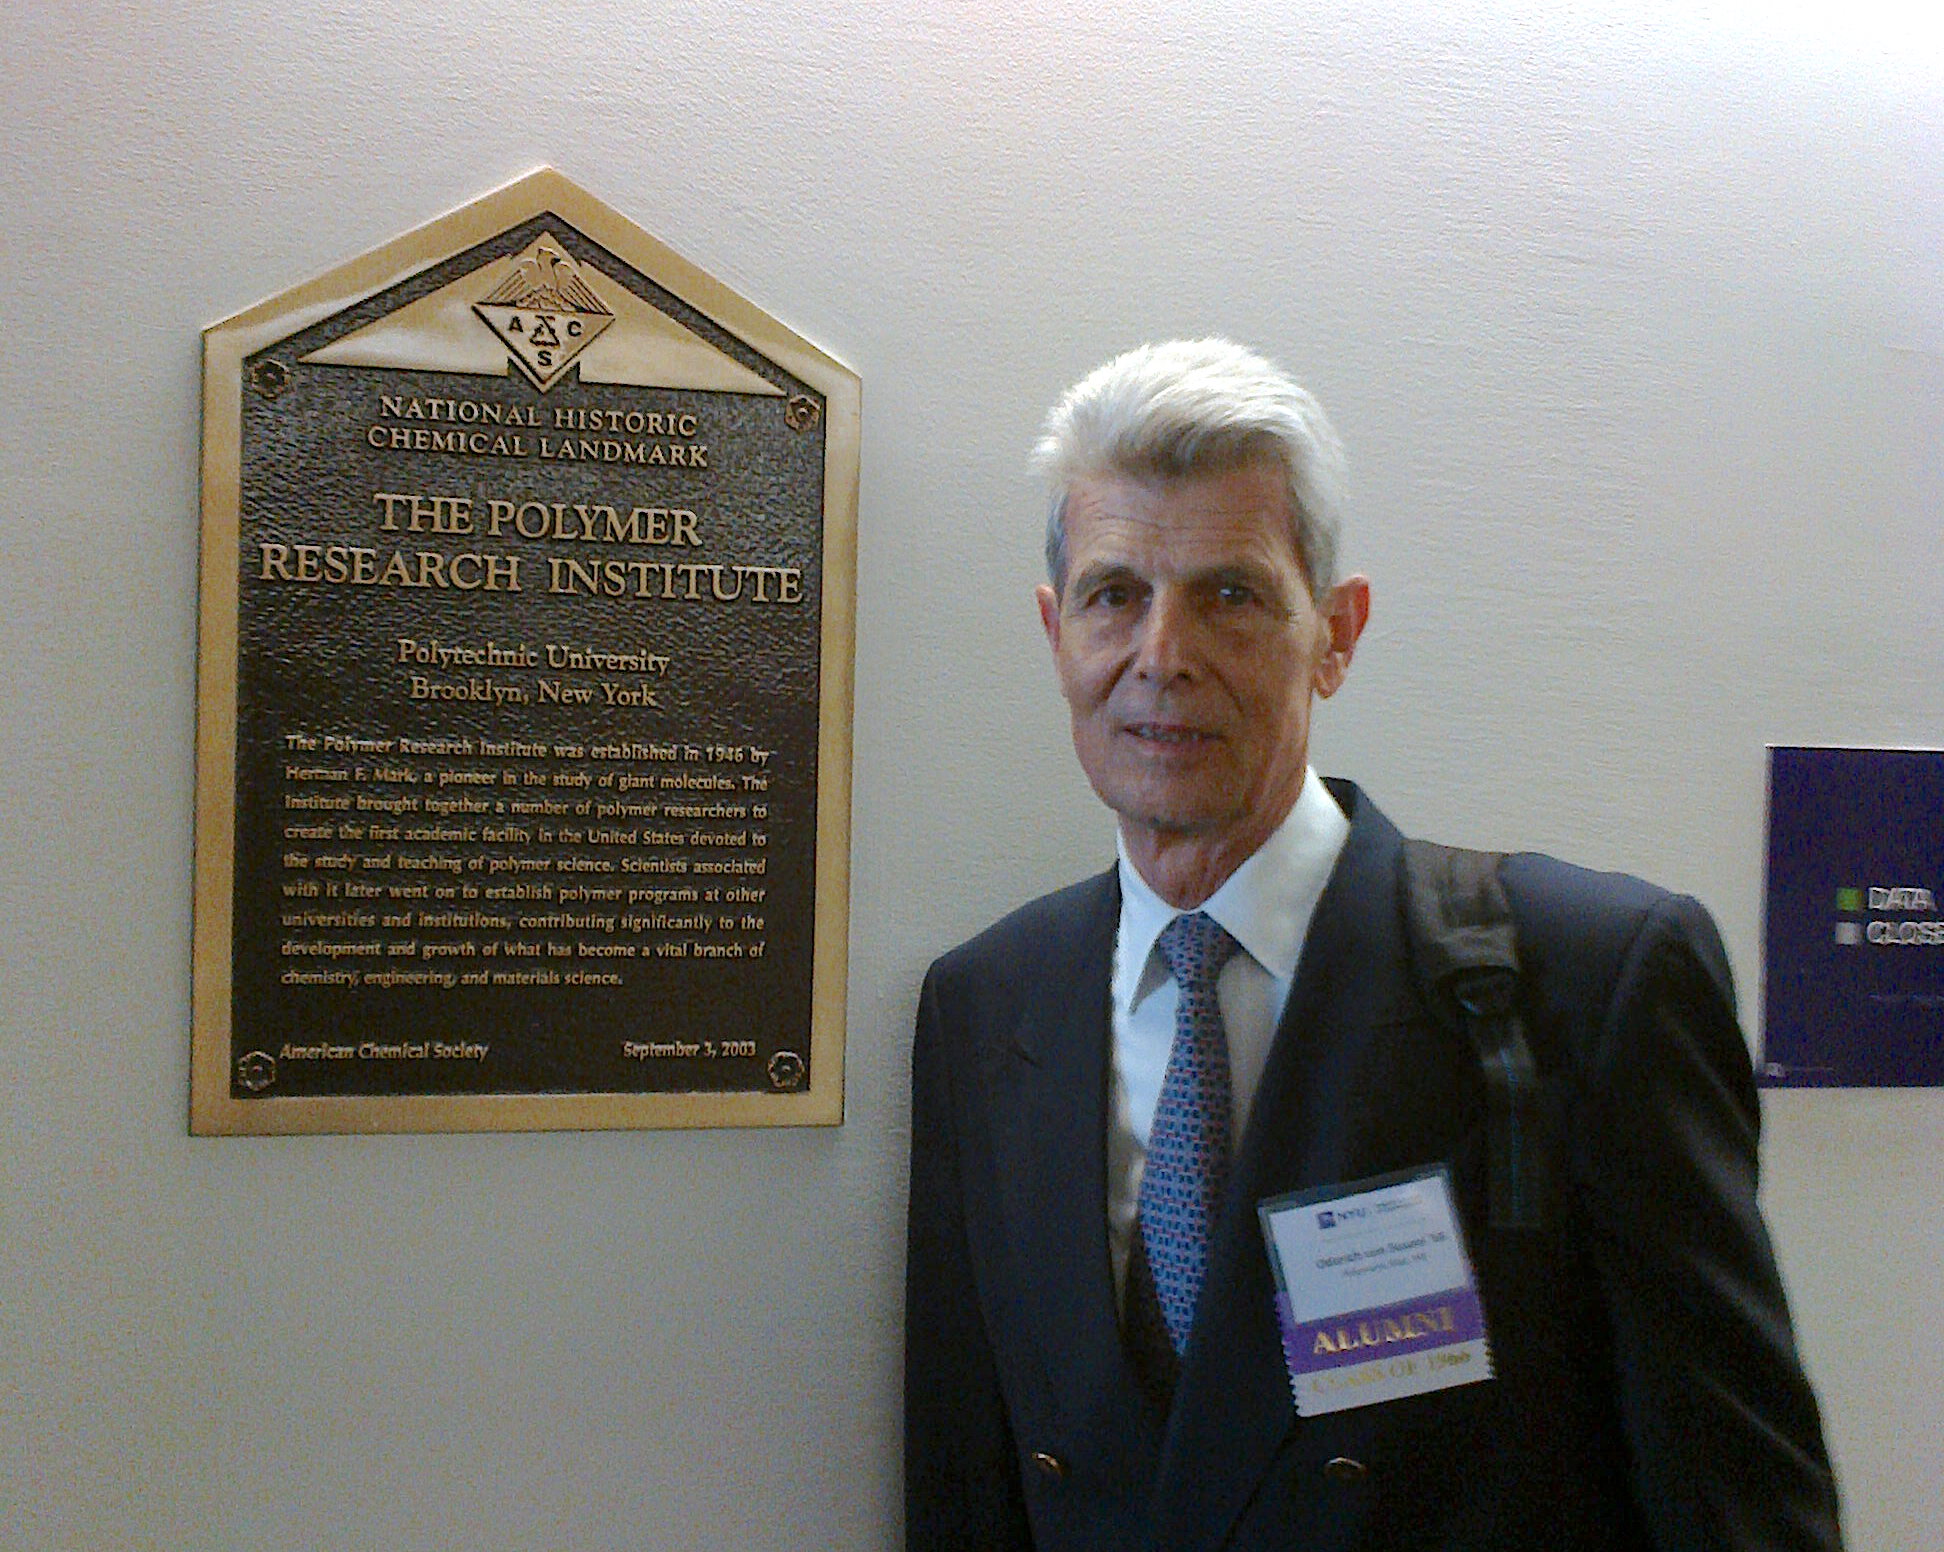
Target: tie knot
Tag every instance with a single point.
(1194, 948)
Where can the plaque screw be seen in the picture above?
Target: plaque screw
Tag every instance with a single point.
(256, 1071)
(269, 378)
(786, 1070)
(802, 412)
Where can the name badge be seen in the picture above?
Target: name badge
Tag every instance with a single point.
(1375, 1294)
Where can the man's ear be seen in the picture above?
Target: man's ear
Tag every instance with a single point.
(1049, 608)
(1345, 613)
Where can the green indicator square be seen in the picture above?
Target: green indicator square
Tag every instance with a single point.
(1849, 900)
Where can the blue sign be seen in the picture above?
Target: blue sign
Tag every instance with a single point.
(1853, 945)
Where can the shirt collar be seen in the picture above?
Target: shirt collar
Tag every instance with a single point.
(1265, 904)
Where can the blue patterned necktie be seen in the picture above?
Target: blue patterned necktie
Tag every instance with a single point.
(1188, 1147)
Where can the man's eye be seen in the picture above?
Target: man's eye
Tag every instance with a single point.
(1236, 594)
(1113, 595)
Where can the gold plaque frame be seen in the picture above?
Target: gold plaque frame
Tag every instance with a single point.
(228, 345)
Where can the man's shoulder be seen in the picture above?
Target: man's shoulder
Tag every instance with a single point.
(1055, 927)
(1577, 890)
(1598, 918)
(1561, 910)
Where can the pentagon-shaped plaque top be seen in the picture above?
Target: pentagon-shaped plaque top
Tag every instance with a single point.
(523, 755)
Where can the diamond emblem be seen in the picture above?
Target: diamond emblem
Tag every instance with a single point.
(543, 312)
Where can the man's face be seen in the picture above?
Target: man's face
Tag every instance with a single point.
(1188, 649)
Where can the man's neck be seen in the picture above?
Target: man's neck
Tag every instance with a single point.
(1185, 868)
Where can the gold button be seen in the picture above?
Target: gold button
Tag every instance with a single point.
(1050, 1466)
(1344, 1469)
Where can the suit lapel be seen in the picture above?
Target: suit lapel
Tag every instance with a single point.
(1233, 1411)
(1048, 1089)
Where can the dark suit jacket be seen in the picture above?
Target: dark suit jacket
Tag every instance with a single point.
(1647, 1391)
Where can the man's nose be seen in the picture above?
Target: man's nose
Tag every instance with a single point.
(1166, 644)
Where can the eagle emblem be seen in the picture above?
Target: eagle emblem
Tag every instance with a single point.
(544, 312)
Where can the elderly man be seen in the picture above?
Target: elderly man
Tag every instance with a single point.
(1110, 1085)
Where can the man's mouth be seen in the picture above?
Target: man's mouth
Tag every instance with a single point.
(1168, 734)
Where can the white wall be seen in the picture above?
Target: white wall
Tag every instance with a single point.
(1634, 325)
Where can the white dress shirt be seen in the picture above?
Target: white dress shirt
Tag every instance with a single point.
(1266, 906)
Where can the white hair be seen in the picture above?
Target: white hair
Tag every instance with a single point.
(1190, 407)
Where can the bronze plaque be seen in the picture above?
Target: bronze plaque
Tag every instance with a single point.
(523, 778)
